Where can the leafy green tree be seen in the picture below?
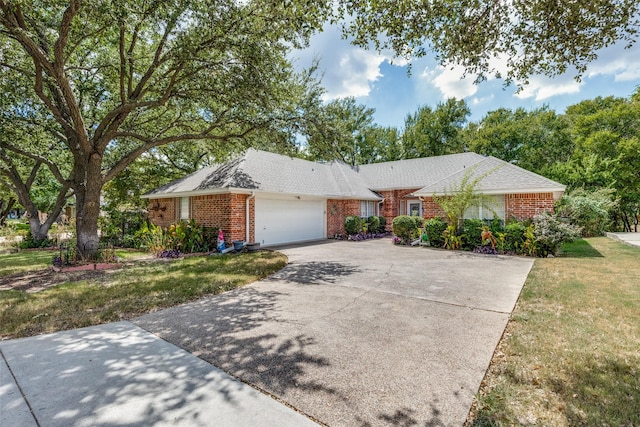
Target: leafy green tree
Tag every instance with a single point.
(434, 132)
(535, 37)
(607, 138)
(110, 81)
(534, 140)
(339, 132)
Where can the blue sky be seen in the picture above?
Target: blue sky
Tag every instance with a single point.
(377, 83)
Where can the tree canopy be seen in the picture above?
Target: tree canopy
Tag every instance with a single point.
(533, 37)
(108, 81)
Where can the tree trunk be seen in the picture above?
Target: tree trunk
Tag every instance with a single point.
(5, 209)
(88, 210)
(39, 230)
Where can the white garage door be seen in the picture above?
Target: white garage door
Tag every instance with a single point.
(279, 221)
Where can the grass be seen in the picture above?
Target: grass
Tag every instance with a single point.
(25, 261)
(570, 354)
(29, 260)
(129, 292)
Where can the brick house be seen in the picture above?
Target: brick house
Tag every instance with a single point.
(275, 199)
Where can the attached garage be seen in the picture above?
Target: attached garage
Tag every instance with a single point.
(280, 220)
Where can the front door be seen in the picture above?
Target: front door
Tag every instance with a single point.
(414, 208)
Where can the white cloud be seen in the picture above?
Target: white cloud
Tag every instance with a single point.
(346, 70)
(482, 100)
(623, 64)
(451, 81)
(542, 87)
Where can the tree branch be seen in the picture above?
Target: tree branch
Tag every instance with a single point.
(52, 166)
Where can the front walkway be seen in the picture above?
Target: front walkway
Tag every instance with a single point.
(119, 374)
(632, 239)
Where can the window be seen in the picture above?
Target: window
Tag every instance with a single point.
(184, 208)
(489, 207)
(367, 208)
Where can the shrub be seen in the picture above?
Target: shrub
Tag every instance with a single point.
(373, 223)
(434, 228)
(550, 232)
(418, 221)
(382, 226)
(514, 237)
(588, 210)
(404, 226)
(471, 230)
(30, 243)
(451, 239)
(352, 225)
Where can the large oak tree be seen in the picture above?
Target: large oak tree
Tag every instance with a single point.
(111, 80)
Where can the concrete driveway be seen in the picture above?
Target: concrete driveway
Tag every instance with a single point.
(359, 333)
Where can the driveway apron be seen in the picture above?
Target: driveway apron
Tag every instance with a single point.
(359, 333)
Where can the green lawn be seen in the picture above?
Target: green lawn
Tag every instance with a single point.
(25, 261)
(571, 352)
(127, 293)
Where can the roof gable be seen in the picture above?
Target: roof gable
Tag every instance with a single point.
(494, 176)
(272, 173)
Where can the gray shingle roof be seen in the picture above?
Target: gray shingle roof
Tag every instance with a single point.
(274, 173)
(415, 173)
(496, 177)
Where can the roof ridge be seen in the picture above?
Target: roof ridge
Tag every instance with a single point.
(459, 170)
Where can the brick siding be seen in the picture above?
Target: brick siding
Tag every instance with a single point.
(391, 205)
(430, 209)
(337, 211)
(525, 206)
(225, 211)
(162, 212)
(228, 211)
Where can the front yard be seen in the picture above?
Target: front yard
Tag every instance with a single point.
(570, 353)
(94, 297)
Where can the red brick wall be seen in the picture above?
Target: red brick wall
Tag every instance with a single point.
(162, 212)
(252, 219)
(525, 206)
(226, 211)
(337, 211)
(430, 209)
(391, 205)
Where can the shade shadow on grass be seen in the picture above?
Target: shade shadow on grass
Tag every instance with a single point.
(579, 249)
(608, 390)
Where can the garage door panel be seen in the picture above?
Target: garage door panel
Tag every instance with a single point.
(280, 221)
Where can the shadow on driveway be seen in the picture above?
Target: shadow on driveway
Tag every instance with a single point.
(314, 272)
(228, 332)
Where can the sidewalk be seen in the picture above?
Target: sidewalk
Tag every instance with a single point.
(632, 239)
(119, 374)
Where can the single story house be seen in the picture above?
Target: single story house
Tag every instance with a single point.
(274, 199)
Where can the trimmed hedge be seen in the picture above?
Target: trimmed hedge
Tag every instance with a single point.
(352, 225)
(434, 228)
(406, 227)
